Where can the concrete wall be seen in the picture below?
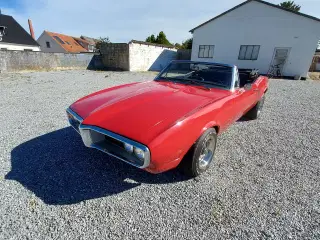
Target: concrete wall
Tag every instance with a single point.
(144, 57)
(259, 24)
(19, 61)
(115, 56)
(18, 47)
(54, 46)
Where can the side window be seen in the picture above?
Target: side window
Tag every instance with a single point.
(249, 52)
(206, 51)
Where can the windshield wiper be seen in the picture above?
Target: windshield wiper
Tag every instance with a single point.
(195, 82)
(165, 79)
(209, 82)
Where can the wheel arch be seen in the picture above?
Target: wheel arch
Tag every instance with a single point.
(212, 124)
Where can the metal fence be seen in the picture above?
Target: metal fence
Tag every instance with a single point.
(184, 54)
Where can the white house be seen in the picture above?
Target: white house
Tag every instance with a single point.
(258, 34)
(14, 37)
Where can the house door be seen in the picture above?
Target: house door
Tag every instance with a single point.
(279, 59)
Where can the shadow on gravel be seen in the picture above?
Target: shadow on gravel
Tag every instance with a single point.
(244, 119)
(60, 170)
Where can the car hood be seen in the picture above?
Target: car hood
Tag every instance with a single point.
(142, 111)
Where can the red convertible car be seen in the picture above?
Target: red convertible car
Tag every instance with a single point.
(171, 120)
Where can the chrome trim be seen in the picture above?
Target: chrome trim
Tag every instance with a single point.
(69, 110)
(89, 143)
(233, 81)
(86, 138)
(76, 116)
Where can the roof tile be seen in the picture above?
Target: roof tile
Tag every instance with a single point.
(68, 42)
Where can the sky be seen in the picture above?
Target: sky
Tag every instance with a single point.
(124, 20)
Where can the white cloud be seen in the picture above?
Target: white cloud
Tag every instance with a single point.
(123, 20)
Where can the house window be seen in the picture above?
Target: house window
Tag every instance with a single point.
(249, 52)
(68, 43)
(206, 51)
(48, 44)
(58, 39)
(27, 50)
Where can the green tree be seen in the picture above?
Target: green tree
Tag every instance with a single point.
(290, 5)
(102, 40)
(187, 44)
(162, 39)
(177, 46)
(151, 39)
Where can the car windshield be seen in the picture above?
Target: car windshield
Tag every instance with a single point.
(206, 74)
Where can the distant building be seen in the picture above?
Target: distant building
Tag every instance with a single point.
(92, 41)
(14, 37)
(59, 43)
(86, 44)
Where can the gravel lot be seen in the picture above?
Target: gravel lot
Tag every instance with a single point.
(265, 183)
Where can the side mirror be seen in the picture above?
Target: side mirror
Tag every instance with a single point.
(248, 86)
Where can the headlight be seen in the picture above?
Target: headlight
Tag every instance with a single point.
(139, 153)
(128, 147)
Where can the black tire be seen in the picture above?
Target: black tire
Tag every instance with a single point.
(193, 163)
(255, 112)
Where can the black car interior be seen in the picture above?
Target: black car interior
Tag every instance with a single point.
(247, 76)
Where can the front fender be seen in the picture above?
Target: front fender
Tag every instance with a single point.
(169, 148)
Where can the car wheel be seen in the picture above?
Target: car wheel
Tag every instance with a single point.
(255, 112)
(201, 155)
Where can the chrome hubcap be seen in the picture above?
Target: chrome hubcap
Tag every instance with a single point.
(206, 154)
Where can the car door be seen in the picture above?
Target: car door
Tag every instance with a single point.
(240, 101)
(246, 97)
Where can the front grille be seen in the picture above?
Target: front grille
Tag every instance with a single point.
(114, 141)
(115, 150)
(113, 144)
(108, 142)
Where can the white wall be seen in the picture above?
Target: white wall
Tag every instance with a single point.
(54, 46)
(149, 58)
(259, 24)
(18, 47)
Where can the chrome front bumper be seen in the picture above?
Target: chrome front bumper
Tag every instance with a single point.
(108, 142)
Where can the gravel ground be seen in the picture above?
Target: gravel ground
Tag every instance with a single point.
(265, 183)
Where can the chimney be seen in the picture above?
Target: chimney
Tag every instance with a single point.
(31, 29)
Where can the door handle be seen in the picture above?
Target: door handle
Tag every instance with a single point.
(256, 90)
